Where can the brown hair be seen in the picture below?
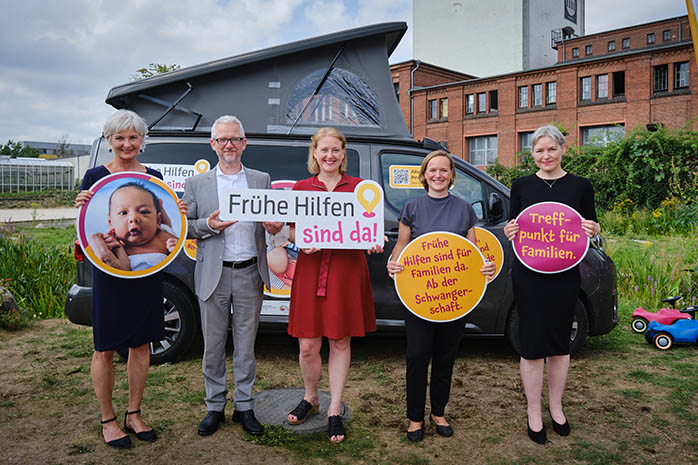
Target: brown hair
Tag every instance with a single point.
(313, 167)
(431, 156)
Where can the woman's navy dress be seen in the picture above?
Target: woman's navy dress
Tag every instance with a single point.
(546, 302)
(125, 312)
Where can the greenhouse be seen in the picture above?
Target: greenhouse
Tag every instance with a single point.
(34, 174)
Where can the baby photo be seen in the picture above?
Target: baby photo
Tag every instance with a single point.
(136, 233)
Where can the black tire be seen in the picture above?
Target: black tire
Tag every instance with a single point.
(578, 336)
(182, 326)
(663, 341)
(639, 325)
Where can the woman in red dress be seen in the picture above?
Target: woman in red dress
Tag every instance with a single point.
(331, 293)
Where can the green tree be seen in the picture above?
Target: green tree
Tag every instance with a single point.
(18, 149)
(153, 69)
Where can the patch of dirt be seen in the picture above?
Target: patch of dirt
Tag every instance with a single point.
(48, 412)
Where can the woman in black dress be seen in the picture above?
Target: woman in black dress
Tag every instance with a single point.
(546, 302)
(125, 312)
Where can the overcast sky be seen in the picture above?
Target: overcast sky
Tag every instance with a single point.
(58, 59)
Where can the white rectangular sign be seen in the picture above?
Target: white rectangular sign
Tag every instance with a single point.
(330, 220)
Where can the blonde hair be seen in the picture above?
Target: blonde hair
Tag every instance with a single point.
(430, 157)
(313, 167)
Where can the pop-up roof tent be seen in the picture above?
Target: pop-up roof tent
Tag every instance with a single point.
(341, 80)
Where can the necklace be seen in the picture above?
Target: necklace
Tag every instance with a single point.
(548, 183)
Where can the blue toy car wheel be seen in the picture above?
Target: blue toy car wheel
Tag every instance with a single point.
(663, 341)
(639, 325)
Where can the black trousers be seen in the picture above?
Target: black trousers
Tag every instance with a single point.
(435, 342)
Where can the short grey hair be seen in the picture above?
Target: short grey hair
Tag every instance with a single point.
(227, 119)
(122, 120)
(547, 131)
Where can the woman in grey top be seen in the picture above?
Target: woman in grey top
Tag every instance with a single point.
(437, 210)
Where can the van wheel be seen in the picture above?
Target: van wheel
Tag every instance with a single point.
(181, 326)
(578, 335)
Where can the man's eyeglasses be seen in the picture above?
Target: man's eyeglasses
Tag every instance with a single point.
(222, 141)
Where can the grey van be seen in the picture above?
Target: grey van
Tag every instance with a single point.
(282, 95)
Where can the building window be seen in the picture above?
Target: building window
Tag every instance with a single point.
(523, 97)
(602, 135)
(619, 83)
(611, 45)
(575, 52)
(681, 75)
(494, 101)
(626, 42)
(587, 50)
(661, 78)
(602, 86)
(551, 93)
(666, 36)
(586, 88)
(469, 104)
(482, 150)
(537, 90)
(438, 109)
(433, 107)
(443, 108)
(396, 88)
(650, 38)
(525, 141)
(482, 102)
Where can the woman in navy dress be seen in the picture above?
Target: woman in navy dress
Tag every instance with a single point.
(125, 312)
(546, 302)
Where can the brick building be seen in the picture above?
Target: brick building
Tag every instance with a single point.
(602, 86)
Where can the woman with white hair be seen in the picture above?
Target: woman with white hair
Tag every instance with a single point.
(546, 302)
(125, 312)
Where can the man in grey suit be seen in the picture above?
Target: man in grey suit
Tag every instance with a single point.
(231, 269)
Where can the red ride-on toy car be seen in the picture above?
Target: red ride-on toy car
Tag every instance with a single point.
(665, 316)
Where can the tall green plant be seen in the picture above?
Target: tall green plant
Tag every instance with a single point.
(39, 276)
(645, 167)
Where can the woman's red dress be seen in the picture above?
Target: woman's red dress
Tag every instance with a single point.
(331, 294)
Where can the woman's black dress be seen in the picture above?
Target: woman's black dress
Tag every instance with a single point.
(125, 312)
(546, 302)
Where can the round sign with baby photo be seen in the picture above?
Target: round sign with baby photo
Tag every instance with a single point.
(550, 238)
(441, 279)
(132, 226)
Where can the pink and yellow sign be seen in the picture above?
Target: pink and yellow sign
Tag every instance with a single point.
(550, 237)
(441, 279)
(491, 248)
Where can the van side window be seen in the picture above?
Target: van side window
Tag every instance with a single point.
(399, 175)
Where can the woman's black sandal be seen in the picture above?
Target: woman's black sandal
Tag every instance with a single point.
(335, 428)
(121, 443)
(301, 412)
(148, 436)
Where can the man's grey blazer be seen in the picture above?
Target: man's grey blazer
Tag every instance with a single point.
(201, 195)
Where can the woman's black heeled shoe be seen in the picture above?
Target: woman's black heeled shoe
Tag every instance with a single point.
(560, 429)
(148, 436)
(442, 430)
(416, 435)
(121, 443)
(538, 437)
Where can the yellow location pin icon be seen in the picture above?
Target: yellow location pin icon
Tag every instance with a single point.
(201, 166)
(368, 194)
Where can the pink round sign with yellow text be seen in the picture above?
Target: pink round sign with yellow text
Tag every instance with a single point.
(550, 237)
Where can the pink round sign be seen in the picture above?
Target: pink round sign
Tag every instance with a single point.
(550, 237)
